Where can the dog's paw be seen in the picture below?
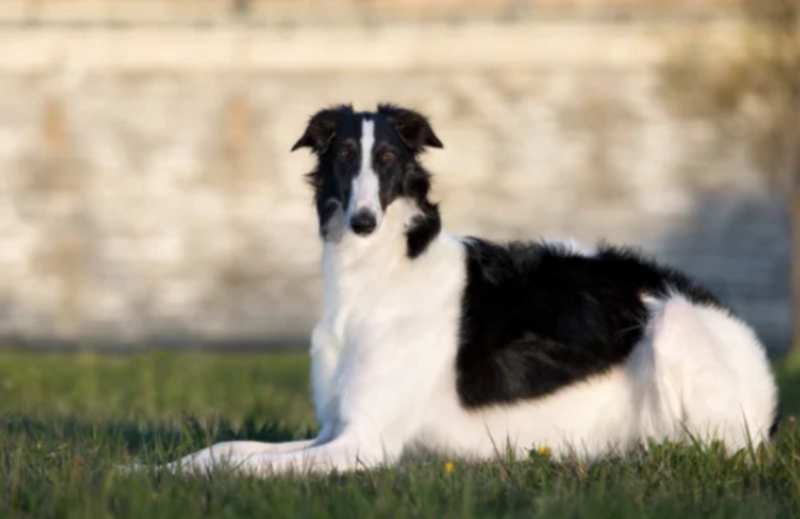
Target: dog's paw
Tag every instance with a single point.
(139, 468)
(129, 469)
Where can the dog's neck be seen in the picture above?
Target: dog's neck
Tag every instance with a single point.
(407, 231)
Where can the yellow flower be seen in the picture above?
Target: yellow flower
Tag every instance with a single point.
(544, 451)
(449, 467)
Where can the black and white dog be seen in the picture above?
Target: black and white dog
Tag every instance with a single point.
(472, 349)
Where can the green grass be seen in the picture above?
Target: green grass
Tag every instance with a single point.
(65, 421)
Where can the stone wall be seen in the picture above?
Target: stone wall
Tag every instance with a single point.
(326, 11)
(148, 197)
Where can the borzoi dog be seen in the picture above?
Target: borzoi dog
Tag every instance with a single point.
(475, 349)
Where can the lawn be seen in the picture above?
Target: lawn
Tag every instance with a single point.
(66, 420)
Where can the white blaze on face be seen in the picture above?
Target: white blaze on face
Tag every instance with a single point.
(365, 193)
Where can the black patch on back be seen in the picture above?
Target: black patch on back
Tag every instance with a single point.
(537, 317)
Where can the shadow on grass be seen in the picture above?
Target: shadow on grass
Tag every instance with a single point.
(788, 373)
(137, 437)
(739, 247)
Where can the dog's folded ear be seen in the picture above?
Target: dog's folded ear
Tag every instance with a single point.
(413, 127)
(321, 130)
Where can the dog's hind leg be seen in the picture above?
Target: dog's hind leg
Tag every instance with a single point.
(718, 370)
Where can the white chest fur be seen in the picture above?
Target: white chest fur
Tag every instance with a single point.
(389, 327)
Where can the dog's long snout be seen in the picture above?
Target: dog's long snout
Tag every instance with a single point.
(363, 222)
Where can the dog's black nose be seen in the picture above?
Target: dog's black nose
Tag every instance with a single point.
(363, 222)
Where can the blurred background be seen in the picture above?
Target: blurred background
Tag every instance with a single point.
(148, 198)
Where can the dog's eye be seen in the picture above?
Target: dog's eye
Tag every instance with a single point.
(387, 156)
(345, 153)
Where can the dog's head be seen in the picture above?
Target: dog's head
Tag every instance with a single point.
(365, 161)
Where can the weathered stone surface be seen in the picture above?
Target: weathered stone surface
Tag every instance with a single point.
(145, 207)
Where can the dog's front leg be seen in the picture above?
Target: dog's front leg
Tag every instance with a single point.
(378, 416)
(343, 454)
(220, 452)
